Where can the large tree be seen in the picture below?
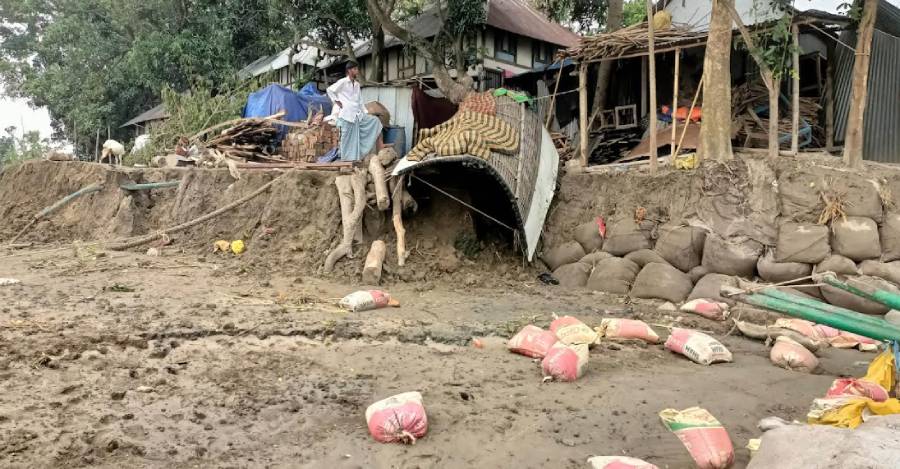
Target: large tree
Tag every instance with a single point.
(853, 142)
(96, 63)
(715, 133)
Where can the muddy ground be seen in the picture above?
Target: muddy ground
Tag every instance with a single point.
(111, 359)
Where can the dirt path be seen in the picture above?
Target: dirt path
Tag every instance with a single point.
(125, 360)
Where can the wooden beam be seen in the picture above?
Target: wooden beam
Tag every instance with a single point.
(675, 103)
(795, 91)
(651, 61)
(583, 113)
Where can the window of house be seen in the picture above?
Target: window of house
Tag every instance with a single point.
(504, 46)
(541, 54)
(407, 64)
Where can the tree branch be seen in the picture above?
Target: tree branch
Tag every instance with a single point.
(764, 69)
(323, 48)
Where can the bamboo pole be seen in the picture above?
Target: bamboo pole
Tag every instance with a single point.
(687, 121)
(675, 103)
(553, 98)
(795, 92)
(583, 113)
(97, 146)
(651, 59)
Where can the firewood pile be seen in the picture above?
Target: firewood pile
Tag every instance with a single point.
(632, 39)
(752, 126)
(246, 140)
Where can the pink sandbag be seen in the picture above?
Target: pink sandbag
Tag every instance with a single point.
(799, 325)
(398, 419)
(565, 362)
(707, 308)
(864, 343)
(826, 332)
(572, 331)
(365, 300)
(703, 436)
(789, 354)
(857, 387)
(615, 328)
(618, 462)
(697, 346)
(532, 341)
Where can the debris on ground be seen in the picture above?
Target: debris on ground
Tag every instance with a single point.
(697, 346)
(849, 401)
(398, 419)
(715, 310)
(703, 436)
(366, 300)
(618, 462)
(532, 341)
(616, 328)
(565, 362)
(8, 281)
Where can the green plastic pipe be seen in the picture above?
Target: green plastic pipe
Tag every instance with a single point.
(150, 185)
(866, 329)
(825, 307)
(891, 300)
(65, 200)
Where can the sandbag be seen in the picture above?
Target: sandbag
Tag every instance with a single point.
(661, 281)
(856, 238)
(789, 354)
(681, 246)
(565, 362)
(731, 257)
(798, 242)
(574, 275)
(588, 235)
(378, 110)
(709, 287)
(778, 272)
(889, 271)
(715, 310)
(365, 300)
(626, 236)
(645, 256)
(613, 275)
(697, 273)
(532, 341)
(697, 346)
(890, 237)
(615, 328)
(593, 258)
(844, 299)
(571, 331)
(398, 419)
(703, 436)
(563, 254)
(837, 264)
(618, 462)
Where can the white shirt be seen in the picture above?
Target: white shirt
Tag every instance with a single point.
(347, 92)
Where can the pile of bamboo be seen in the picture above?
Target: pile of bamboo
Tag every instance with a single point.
(628, 40)
(247, 139)
(751, 126)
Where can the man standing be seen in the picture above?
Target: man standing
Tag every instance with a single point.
(360, 132)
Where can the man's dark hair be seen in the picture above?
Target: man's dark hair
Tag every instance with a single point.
(351, 65)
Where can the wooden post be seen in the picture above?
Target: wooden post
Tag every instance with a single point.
(583, 113)
(853, 142)
(651, 60)
(774, 95)
(675, 104)
(371, 274)
(795, 92)
(829, 97)
(382, 198)
(553, 98)
(397, 216)
(97, 146)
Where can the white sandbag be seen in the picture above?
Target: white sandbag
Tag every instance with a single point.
(697, 346)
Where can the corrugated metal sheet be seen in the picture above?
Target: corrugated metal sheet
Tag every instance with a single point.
(529, 177)
(519, 17)
(398, 101)
(157, 113)
(696, 13)
(881, 141)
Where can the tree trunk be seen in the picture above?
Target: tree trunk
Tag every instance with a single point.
(454, 90)
(583, 130)
(795, 92)
(853, 142)
(774, 94)
(715, 133)
(614, 16)
(651, 58)
(376, 75)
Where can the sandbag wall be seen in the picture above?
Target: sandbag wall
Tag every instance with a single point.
(807, 221)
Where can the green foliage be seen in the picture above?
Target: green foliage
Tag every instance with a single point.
(14, 149)
(775, 44)
(585, 16)
(634, 12)
(96, 63)
(189, 113)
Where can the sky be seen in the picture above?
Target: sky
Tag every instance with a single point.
(17, 112)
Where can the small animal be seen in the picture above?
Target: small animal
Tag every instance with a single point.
(113, 152)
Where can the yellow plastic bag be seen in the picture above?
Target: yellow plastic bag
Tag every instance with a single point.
(237, 246)
(848, 412)
(687, 161)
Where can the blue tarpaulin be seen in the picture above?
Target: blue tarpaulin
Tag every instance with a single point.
(276, 98)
